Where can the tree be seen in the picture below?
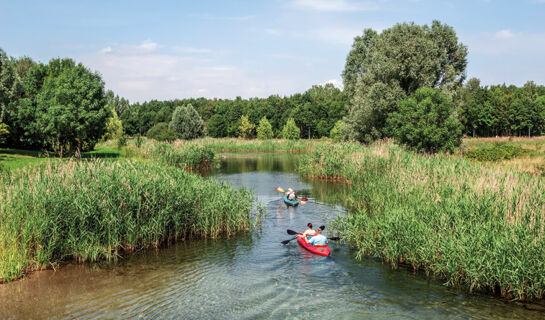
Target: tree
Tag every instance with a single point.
(382, 69)
(338, 133)
(3, 132)
(187, 123)
(161, 132)
(246, 128)
(264, 130)
(71, 107)
(216, 126)
(8, 83)
(290, 130)
(426, 122)
(114, 127)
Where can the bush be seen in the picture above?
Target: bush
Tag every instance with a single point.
(187, 123)
(497, 152)
(246, 128)
(290, 130)
(338, 133)
(161, 132)
(426, 122)
(264, 130)
(122, 141)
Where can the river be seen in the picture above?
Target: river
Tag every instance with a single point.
(250, 276)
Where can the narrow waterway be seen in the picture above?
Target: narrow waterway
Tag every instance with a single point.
(250, 276)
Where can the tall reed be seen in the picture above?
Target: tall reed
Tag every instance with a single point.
(91, 210)
(475, 226)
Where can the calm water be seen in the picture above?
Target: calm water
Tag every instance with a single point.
(251, 276)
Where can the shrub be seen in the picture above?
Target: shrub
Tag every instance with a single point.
(161, 132)
(290, 130)
(426, 122)
(338, 132)
(246, 128)
(496, 152)
(187, 123)
(264, 130)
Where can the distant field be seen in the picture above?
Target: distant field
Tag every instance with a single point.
(532, 160)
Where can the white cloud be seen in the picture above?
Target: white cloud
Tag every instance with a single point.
(336, 35)
(150, 71)
(334, 5)
(336, 82)
(505, 42)
(504, 34)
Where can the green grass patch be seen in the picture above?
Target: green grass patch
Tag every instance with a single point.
(496, 152)
(91, 210)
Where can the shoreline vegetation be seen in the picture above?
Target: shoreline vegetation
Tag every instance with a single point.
(475, 225)
(97, 209)
(469, 224)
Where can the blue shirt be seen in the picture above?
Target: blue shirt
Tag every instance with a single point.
(318, 240)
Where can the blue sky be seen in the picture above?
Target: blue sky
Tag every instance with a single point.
(176, 49)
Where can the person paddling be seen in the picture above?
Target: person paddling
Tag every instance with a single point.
(308, 233)
(318, 239)
(291, 195)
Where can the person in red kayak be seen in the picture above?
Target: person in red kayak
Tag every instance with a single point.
(318, 239)
(308, 233)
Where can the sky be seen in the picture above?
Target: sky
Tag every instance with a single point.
(179, 49)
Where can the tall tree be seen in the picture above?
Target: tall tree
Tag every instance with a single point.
(246, 128)
(264, 130)
(187, 123)
(384, 68)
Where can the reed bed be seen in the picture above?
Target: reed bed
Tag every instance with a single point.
(91, 210)
(272, 145)
(474, 226)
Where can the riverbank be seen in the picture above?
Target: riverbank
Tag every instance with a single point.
(474, 226)
(92, 210)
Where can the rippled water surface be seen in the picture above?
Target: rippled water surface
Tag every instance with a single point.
(251, 276)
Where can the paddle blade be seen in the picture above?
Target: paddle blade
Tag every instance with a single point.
(322, 227)
(334, 238)
(293, 233)
(287, 241)
(302, 202)
(280, 190)
(304, 199)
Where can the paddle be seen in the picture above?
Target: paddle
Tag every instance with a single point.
(284, 191)
(293, 233)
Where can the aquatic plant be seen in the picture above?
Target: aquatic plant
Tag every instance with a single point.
(90, 210)
(474, 226)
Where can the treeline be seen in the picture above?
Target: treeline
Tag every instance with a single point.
(501, 110)
(315, 113)
(59, 106)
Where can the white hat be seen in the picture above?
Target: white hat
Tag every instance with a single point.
(290, 189)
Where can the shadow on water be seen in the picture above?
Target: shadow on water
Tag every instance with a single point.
(250, 276)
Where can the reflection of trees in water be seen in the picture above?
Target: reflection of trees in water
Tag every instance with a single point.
(329, 192)
(264, 162)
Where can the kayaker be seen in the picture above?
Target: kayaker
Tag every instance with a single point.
(291, 195)
(309, 232)
(318, 239)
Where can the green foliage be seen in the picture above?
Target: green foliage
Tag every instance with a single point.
(187, 123)
(495, 152)
(3, 132)
(114, 127)
(161, 132)
(246, 128)
(91, 210)
(290, 130)
(382, 69)
(473, 226)
(189, 157)
(216, 126)
(121, 141)
(339, 131)
(264, 130)
(425, 122)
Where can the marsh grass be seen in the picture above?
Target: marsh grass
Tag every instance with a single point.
(475, 226)
(91, 210)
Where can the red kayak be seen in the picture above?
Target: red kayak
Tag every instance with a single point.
(321, 250)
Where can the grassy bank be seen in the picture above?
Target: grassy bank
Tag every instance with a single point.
(473, 225)
(90, 210)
